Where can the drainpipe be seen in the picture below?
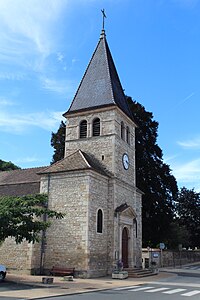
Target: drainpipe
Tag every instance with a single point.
(43, 239)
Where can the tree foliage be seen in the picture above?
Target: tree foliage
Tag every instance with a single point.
(58, 142)
(188, 215)
(23, 218)
(154, 178)
(7, 166)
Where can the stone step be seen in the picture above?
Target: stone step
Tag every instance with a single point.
(137, 273)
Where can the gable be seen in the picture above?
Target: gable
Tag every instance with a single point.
(126, 214)
(77, 161)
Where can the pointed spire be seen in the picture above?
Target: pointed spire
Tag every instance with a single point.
(100, 85)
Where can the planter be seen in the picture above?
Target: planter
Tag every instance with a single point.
(68, 278)
(120, 275)
(47, 280)
(154, 270)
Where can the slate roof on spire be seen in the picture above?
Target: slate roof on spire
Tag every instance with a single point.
(100, 85)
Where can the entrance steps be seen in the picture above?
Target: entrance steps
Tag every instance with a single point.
(138, 273)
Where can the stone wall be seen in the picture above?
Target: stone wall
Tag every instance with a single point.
(108, 148)
(73, 240)
(169, 258)
(16, 257)
(67, 239)
(179, 258)
(138, 249)
(98, 242)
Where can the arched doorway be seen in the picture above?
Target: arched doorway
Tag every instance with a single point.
(125, 247)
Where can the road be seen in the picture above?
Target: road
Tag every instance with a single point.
(169, 289)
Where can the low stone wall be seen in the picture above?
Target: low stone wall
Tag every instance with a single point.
(179, 258)
(169, 258)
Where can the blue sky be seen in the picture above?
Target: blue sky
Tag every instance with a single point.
(45, 48)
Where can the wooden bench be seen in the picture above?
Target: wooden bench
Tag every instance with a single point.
(60, 271)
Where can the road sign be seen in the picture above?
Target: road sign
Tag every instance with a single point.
(162, 246)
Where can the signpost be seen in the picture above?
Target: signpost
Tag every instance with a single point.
(162, 247)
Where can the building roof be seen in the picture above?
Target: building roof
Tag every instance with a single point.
(77, 161)
(20, 176)
(20, 182)
(100, 85)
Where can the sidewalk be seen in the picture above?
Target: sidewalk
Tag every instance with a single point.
(61, 287)
(183, 271)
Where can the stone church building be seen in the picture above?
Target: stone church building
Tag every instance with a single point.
(94, 185)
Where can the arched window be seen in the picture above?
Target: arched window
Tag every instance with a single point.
(128, 135)
(96, 127)
(83, 129)
(100, 221)
(122, 131)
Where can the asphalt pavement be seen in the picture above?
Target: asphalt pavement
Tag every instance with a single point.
(32, 287)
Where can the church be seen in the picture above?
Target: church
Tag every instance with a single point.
(94, 186)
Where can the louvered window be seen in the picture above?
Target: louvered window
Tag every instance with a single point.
(122, 131)
(99, 221)
(128, 135)
(83, 129)
(96, 127)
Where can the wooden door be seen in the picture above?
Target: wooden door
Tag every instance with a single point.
(125, 247)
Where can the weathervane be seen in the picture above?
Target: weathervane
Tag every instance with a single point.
(104, 16)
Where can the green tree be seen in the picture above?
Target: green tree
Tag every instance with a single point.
(154, 178)
(58, 143)
(178, 235)
(7, 166)
(188, 210)
(23, 218)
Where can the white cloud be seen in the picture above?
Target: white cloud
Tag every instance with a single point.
(26, 29)
(12, 76)
(19, 123)
(5, 102)
(168, 159)
(60, 56)
(29, 35)
(188, 173)
(59, 86)
(74, 60)
(186, 98)
(190, 144)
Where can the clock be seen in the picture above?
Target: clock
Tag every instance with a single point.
(125, 161)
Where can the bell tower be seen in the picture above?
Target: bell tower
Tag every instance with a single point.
(94, 185)
(99, 120)
(100, 123)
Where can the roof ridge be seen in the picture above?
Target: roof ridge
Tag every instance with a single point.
(24, 169)
(108, 68)
(85, 159)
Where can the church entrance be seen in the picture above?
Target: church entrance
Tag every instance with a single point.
(125, 247)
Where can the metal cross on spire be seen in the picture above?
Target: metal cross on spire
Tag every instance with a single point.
(104, 16)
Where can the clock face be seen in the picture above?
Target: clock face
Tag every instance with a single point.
(125, 161)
